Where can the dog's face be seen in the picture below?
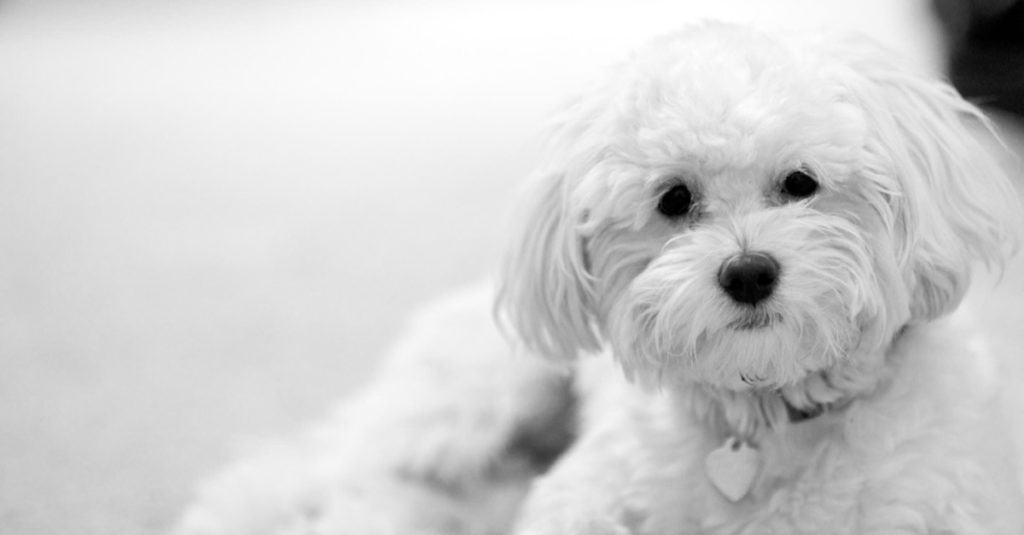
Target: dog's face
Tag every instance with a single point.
(742, 213)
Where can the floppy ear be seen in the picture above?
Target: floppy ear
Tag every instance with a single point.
(954, 205)
(546, 292)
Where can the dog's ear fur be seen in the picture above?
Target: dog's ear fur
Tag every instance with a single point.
(546, 291)
(955, 205)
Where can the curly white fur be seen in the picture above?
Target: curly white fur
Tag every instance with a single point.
(460, 428)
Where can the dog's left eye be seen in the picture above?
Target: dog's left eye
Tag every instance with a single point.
(675, 202)
(799, 184)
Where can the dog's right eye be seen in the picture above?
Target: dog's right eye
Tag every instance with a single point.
(675, 202)
(799, 185)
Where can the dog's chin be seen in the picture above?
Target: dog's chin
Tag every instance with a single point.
(755, 352)
(754, 349)
(754, 319)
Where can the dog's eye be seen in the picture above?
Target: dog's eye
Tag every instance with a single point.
(799, 184)
(675, 202)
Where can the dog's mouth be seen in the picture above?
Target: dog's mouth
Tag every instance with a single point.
(755, 319)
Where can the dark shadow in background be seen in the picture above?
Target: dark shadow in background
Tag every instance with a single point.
(986, 50)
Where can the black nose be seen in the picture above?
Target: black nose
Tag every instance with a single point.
(749, 277)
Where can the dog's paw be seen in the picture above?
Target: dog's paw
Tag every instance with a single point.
(589, 526)
(300, 491)
(298, 523)
(276, 493)
(280, 507)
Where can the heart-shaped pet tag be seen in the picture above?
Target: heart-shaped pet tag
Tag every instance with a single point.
(732, 468)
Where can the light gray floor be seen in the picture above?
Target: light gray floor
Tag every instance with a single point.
(214, 216)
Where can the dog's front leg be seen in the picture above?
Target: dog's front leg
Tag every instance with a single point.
(590, 490)
(586, 492)
(445, 441)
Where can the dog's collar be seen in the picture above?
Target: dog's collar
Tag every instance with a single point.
(801, 415)
(797, 415)
(733, 467)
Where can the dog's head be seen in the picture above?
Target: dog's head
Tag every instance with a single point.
(741, 212)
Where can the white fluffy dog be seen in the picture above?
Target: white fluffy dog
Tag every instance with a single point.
(760, 234)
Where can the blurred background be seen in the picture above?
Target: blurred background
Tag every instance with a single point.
(216, 215)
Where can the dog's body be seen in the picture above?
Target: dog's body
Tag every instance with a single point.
(922, 454)
(754, 238)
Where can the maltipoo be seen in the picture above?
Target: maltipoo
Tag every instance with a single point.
(734, 259)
